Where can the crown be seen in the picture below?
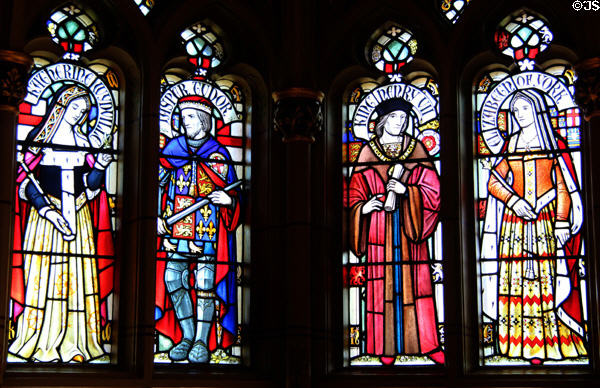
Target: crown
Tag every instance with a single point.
(195, 102)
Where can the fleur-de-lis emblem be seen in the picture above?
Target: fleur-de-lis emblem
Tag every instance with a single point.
(206, 212)
(210, 229)
(200, 230)
(394, 31)
(181, 183)
(187, 168)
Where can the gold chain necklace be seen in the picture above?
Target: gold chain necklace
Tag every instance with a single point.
(375, 147)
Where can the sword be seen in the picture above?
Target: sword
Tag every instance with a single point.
(188, 210)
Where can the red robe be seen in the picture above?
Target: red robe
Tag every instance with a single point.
(401, 314)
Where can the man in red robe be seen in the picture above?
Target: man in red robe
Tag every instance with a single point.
(393, 169)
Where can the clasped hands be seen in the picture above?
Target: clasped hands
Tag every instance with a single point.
(524, 210)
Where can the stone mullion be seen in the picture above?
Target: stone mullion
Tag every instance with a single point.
(14, 70)
(298, 118)
(587, 96)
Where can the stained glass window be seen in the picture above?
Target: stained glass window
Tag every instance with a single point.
(62, 291)
(393, 267)
(202, 232)
(452, 9)
(73, 29)
(530, 211)
(145, 5)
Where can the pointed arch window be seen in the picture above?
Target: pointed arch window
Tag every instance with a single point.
(63, 262)
(531, 244)
(393, 263)
(203, 235)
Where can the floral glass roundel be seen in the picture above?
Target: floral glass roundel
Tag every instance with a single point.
(203, 46)
(393, 49)
(73, 30)
(522, 36)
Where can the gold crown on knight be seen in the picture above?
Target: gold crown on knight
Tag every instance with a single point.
(195, 102)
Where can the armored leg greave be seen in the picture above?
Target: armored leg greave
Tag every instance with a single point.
(205, 284)
(177, 282)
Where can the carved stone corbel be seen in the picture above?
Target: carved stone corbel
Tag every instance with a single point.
(587, 87)
(298, 114)
(14, 69)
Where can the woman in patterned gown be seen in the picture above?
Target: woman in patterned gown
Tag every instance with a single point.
(538, 306)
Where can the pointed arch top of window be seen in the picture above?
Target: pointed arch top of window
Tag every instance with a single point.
(453, 9)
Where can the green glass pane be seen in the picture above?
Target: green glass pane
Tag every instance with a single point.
(200, 43)
(525, 33)
(62, 33)
(80, 36)
(394, 48)
(72, 27)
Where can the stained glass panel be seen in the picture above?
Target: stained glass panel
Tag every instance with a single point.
(202, 237)
(393, 259)
(530, 211)
(453, 9)
(145, 5)
(62, 292)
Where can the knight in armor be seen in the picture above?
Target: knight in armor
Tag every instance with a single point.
(200, 248)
